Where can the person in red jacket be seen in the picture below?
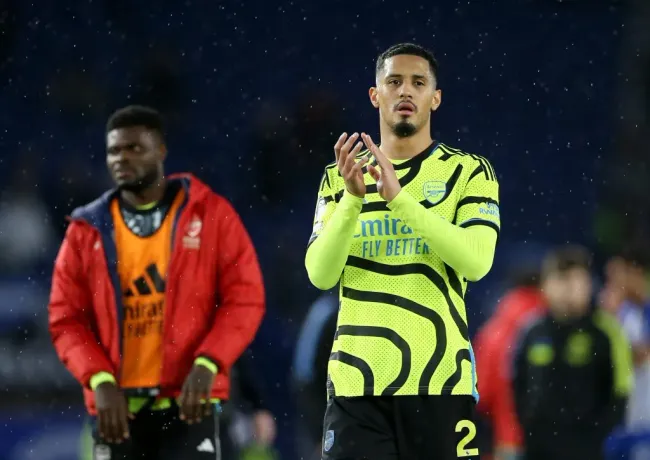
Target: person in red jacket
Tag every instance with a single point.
(493, 347)
(156, 292)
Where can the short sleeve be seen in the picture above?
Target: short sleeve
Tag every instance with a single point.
(479, 204)
(325, 205)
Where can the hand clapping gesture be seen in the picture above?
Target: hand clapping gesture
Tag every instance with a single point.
(388, 184)
(350, 169)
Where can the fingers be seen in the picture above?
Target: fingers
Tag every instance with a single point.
(351, 160)
(344, 150)
(184, 404)
(123, 420)
(369, 142)
(114, 429)
(207, 407)
(192, 409)
(102, 425)
(338, 145)
(374, 173)
(376, 151)
(358, 167)
(344, 144)
(197, 408)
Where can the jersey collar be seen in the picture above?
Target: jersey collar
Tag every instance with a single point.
(419, 158)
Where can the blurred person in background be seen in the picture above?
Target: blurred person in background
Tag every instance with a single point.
(612, 293)
(403, 235)
(155, 294)
(573, 367)
(27, 234)
(628, 275)
(309, 369)
(626, 294)
(493, 348)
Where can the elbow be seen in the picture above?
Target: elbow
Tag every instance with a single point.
(321, 280)
(56, 328)
(478, 271)
(320, 276)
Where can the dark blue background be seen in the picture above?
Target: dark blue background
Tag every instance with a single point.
(256, 93)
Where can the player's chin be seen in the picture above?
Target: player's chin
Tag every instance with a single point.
(405, 128)
(130, 184)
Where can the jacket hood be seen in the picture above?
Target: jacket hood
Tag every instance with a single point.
(95, 213)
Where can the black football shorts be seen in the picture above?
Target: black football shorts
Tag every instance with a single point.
(400, 428)
(161, 435)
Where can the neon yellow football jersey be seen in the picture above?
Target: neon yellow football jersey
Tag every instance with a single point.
(402, 324)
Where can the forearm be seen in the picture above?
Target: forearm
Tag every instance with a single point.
(77, 346)
(327, 254)
(70, 321)
(240, 295)
(233, 330)
(469, 251)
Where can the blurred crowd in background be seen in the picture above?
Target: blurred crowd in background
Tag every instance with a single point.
(554, 93)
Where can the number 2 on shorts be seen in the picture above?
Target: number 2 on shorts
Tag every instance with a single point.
(461, 451)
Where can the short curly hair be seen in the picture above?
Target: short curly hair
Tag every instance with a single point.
(136, 115)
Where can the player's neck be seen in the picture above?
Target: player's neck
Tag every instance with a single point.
(403, 148)
(152, 194)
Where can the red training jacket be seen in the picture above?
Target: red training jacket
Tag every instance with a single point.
(214, 300)
(493, 348)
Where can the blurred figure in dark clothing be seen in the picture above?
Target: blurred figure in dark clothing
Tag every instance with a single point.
(493, 349)
(573, 368)
(310, 372)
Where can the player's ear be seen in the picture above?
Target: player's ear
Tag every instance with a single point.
(374, 99)
(163, 152)
(436, 100)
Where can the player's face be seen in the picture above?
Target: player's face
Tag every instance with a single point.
(134, 157)
(635, 283)
(406, 94)
(579, 290)
(568, 293)
(624, 277)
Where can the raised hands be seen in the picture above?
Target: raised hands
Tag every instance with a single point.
(350, 169)
(388, 184)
